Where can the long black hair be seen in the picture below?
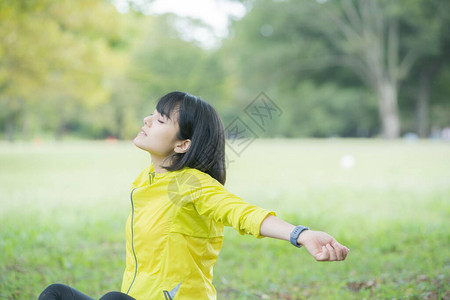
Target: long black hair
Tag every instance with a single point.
(199, 122)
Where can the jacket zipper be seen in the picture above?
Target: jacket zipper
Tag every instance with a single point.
(132, 240)
(151, 178)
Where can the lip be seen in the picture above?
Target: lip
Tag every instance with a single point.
(143, 131)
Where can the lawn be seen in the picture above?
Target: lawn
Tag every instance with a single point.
(64, 207)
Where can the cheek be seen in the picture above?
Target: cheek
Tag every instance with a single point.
(162, 135)
(159, 141)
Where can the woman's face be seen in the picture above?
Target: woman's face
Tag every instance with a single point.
(158, 135)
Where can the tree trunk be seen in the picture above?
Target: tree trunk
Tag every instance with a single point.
(387, 103)
(26, 125)
(12, 118)
(376, 61)
(60, 121)
(423, 101)
(10, 129)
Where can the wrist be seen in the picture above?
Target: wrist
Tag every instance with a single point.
(303, 237)
(295, 234)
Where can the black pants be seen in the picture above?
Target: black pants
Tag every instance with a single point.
(59, 291)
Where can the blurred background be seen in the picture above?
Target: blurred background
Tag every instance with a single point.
(345, 106)
(92, 69)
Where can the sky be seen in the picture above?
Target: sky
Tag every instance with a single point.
(214, 13)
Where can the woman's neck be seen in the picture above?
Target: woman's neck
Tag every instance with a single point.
(157, 162)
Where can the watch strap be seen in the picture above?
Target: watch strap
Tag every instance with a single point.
(296, 233)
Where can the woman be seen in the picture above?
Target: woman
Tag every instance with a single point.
(179, 207)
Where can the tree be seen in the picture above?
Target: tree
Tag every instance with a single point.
(422, 85)
(56, 53)
(379, 40)
(162, 62)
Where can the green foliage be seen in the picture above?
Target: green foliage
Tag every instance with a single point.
(57, 54)
(323, 106)
(352, 44)
(162, 62)
(80, 68)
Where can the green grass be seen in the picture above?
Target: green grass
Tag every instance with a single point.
(64, 207)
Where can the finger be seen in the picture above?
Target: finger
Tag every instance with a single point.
(332, 252)
(339, 249)
(324, 255)
(346, 250)
(344, 253)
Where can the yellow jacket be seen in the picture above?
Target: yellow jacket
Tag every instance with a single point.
(175, 231)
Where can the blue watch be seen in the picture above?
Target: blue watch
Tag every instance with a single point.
(295, 234)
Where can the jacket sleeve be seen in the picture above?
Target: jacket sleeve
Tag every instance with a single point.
(214, 201)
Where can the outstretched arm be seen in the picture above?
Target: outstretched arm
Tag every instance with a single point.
(322, 246)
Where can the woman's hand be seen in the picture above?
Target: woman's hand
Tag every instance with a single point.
(322, 246)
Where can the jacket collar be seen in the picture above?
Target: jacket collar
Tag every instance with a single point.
(153, 176)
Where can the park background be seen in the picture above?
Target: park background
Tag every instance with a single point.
(357, 145)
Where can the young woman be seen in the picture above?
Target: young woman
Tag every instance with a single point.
(179, 208)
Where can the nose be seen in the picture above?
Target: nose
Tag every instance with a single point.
(148, 121)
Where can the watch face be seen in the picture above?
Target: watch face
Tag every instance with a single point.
(295, 234)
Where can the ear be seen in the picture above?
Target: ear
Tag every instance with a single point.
(182, 146)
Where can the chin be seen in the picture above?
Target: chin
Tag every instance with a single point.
(139, 143)
(135, 141)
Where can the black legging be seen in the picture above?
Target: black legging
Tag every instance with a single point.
(58, 291)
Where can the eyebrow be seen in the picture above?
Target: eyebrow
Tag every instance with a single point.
(162, 116)
(166, 117)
